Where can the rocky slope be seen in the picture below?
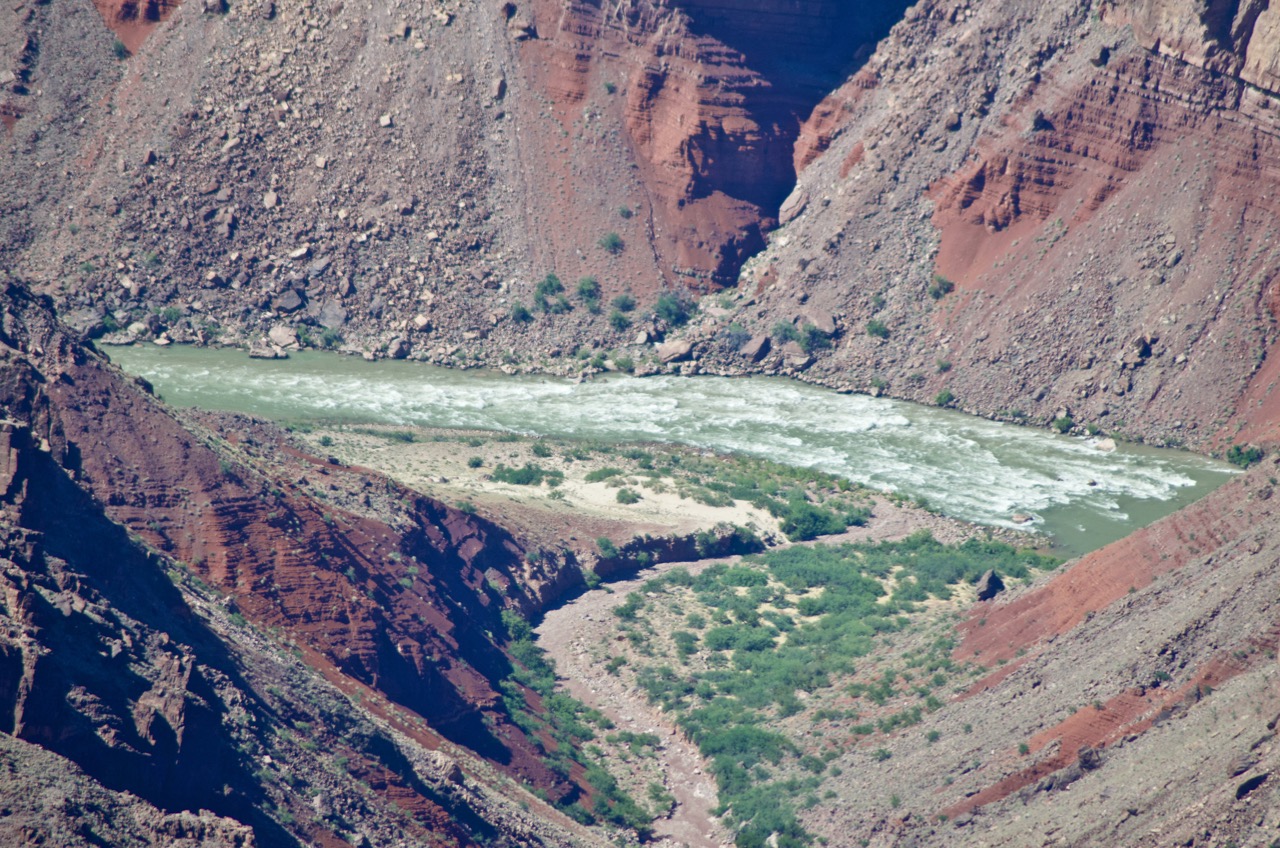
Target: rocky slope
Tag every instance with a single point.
(382, 608)
(410, 171)
(399, 181)
(1001, 227)
(1142, 680)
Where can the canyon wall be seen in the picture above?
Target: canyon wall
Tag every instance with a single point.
(1046, 218)
(139, 551)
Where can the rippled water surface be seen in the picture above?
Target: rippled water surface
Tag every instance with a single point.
(968, 467)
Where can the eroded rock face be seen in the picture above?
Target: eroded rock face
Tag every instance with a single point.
(102, 659)
(986, 188)
(714, 97)
(1240, 39)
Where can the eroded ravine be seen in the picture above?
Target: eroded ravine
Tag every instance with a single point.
(566, 634)
(569, 633)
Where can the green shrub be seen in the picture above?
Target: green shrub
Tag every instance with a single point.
(520, 313)
(940, 287)
(803, 521)
(527, 475)
(624, 303)
(628, 496)
(119, 50)
(608, 549)
(625, 212)
(1245, 455)
(672, 309)
(475, 462)
(1063, 424)
(558, 306)
(589, 291)
(877, 328)
(612, 243)
(811, 338)
(619, 321)
(944, 398)
(600, 474)
(736, 335)
(785, 331)
(548, 286)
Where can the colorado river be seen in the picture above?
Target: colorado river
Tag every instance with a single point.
(967, 467)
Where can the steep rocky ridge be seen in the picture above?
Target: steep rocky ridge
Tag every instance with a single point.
(1023, 173)
(712, 96)
(411, 171)
(107, 663)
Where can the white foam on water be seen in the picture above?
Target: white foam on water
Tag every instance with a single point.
(974, 469)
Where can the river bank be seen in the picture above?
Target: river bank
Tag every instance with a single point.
(1074, 489)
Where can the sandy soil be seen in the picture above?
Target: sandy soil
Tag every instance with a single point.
(575, 512)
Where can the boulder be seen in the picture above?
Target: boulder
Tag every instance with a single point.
(757, 348)
(399, 347)
(290, 301)
(989, 585)
(332, 315)
(675, 351)
(282, 336)
(262, 350)
(820, 318)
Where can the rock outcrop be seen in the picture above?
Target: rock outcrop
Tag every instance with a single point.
(107, 501)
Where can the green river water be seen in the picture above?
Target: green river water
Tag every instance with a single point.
(965, 466)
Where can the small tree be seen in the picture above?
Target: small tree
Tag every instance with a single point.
(612, 243)
(1244, 455)
(672, 309)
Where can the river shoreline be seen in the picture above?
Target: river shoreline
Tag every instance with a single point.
(1015, 477)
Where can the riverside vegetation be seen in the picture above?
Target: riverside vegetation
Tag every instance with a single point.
(775, 665)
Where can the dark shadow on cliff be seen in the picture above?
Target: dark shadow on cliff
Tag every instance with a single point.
(86, 696)
(804, 51)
